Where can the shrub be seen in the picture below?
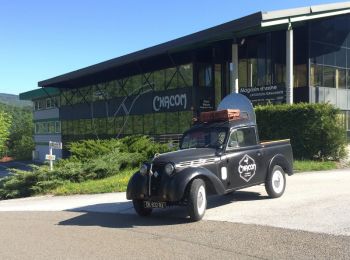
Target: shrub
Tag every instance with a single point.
(27, 183)
(91, 159)
(70, 170)
(90, 149)
(144, 145)
(314, 129)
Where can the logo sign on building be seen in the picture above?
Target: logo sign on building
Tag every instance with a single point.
(55, 145)
(206, 104)
(265, 94)
(168, 102)
(145, 102)
(247, 168)
(50, 157)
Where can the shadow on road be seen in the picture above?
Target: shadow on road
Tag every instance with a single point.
(113, 220)
(221, 200)
(111, 214)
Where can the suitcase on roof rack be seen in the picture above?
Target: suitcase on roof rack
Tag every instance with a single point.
(222, 115)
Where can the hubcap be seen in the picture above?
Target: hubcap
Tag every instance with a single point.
(277, 181)
(201, 200)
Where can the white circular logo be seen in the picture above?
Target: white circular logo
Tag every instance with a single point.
(246, 168)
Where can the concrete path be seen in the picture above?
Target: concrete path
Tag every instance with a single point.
(317, 202)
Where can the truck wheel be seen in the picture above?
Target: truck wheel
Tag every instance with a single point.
(197, 200)
(140, 208)
(276, 182)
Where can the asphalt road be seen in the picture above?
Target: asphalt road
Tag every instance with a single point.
(311, 220)
(70, 235)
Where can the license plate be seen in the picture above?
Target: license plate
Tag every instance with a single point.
(154, 204)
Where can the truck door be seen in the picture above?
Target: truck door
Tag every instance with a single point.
(244, 158)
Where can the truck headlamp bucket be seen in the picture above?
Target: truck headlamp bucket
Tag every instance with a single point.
(169, 168)
(144, 169)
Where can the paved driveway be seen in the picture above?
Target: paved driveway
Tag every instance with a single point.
(317, 202)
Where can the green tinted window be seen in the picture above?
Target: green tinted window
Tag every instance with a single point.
(171, 78)
(87, 126)
(127, 125)
(147, 81)
(185, 121)
(159, 80)
(172, 123)
(94, 126)
(118, 124)
(111, 89)
(185, 76)
(148, 124)
(132, 84)
(138, 124)
(110, 126)
(160, 123)
(82, 128)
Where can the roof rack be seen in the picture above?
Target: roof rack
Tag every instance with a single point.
(221, 115)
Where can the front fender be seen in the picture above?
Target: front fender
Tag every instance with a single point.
(176, 188)
(137, 185)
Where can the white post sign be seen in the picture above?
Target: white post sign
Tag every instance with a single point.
(55, 145)
(50, 157)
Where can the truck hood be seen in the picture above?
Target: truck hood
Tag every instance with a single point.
(185, 155)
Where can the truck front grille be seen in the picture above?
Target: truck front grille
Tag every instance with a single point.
(156, 178)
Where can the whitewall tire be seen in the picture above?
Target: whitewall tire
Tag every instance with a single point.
(276, 182)
(197, 200)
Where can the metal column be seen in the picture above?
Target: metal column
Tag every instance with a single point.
(289, 65)
(234, 71)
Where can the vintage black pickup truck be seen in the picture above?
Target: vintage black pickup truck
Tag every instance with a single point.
(215, 157)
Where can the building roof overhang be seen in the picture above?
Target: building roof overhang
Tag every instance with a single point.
(39, 93)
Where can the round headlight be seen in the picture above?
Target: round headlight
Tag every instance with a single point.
(143, 169)
(169, 168)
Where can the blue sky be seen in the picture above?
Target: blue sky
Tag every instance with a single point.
(40, 39)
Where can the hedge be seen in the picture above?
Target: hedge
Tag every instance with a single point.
(90, 160)
(315, 130)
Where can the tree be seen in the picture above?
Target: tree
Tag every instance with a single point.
(20, 140)
(5, 124)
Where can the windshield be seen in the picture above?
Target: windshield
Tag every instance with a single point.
(202, 138)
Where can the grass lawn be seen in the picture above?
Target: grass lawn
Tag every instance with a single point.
(114, 183)
(306, 166)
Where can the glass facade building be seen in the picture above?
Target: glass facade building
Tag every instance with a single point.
(117, 108)
(297, 55)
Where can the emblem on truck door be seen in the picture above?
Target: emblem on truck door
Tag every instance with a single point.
(246, 168)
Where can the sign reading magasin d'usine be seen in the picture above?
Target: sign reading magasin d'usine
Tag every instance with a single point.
(265, 94)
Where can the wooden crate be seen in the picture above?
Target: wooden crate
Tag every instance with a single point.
(206, 116)
(228, 114)
(222, 115)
